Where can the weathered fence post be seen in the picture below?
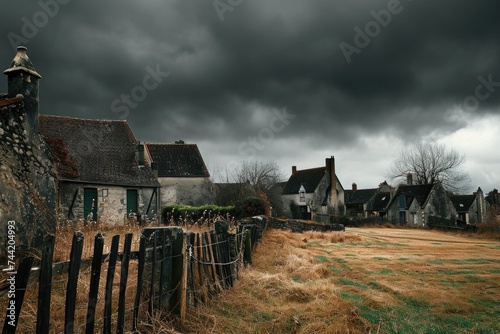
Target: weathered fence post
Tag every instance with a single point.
(123, 283)
(94, 281)
(140, 278)
(16, 299)
(45, 285)
(113, 255)
(74, 272)
(184, 279)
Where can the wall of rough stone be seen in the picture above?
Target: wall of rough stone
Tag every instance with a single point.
(27, 179)
(111, 202)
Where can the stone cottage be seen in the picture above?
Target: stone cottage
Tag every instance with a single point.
(315, 193)
(27, 178)
(471, 209)
(416, 204)
(182, 174)
(101, 170)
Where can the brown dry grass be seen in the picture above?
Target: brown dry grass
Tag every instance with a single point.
(372, 280)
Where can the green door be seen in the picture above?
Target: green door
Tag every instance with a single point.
(90, 203)
(132, 201)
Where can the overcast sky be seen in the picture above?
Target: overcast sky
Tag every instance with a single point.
(284, 80)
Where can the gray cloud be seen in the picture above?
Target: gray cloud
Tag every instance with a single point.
(224, 75)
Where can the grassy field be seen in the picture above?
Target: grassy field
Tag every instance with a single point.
(370, 280)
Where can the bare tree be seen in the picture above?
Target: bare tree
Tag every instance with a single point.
(250, 179)
(431, 163)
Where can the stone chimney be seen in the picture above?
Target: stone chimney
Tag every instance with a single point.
(354, 186)
(140, 154)
(330, 169)
(294, 169)
(23, 80)
(409, 179)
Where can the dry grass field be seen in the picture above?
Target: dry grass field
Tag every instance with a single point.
(370, 280)
(366, 280)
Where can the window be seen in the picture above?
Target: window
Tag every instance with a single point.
(302, 194)
(402, 201)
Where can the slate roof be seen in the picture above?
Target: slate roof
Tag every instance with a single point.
(418, 192)
(178, 160)
(462, 202)
(359, 196)
(309, 178)
(95, 151)
(381, 201)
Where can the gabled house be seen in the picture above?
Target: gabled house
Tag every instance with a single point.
(27, 180)
(471, 209)
(416, 204)
(182, 174)
(315, 193)
(358, 201)
(101, 173)
(367, 202)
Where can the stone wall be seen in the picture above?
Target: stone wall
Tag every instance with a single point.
(27, 178)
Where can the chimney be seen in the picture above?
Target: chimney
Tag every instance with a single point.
(294, 169)
(23, 79)
(154, 168)
(409, 179)
(354, 187)
(330, 169)
(139, 154)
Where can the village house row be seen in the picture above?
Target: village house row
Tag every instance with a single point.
(55, 169)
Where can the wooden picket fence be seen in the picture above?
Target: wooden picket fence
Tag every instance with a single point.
(176, 270)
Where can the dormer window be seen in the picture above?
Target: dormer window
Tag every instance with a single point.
(302, 194)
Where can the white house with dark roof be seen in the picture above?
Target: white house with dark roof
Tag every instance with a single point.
(101, 173)
(182, 174)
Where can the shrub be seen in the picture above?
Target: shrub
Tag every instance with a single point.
(194, 213)
(251, 206)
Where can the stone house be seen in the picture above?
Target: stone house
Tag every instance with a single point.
(101, 173)
(415, 204)
(182, 174)
(316, 193)
(471, 209)
(367, 202)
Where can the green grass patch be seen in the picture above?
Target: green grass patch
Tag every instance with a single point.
(375, 286)
(351, 296)
(313, 244)
(350, 255)
(438, 262)
(334, 269)
(470, 261)
(384, 271)
(322, 258)
(404, 259)
(348, 282)
(380, 258)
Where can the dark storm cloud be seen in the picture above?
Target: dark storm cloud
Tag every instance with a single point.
(227, 76)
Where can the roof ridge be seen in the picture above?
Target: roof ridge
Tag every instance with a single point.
(85, 119)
